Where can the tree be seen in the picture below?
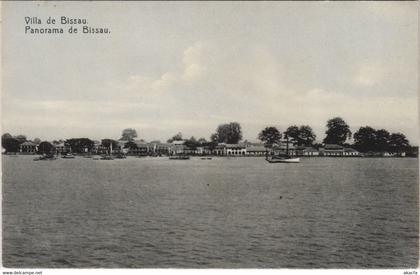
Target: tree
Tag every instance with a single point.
(337, 131)
(192, 143)
(214, 138)
(365, 139)
(398, 143)
(6, 135)
(80, 145)
(229, 133)
(302, 135)
(37, 140)
(21, 138)
(202, 141)
(45, 148)
(178, 136)
(107, 143)
(382, 140)
(131, 145)
(270, 136)
(128, 134)
(10, 144)
(292, 132)
(306, 135)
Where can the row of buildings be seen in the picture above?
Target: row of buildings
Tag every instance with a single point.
(221, 149)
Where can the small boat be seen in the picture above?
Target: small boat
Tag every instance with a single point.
(120, 156)
(68, 156)
(45, 157)
(206, 158)
(283, 160)
(108, 157)
(179, 157)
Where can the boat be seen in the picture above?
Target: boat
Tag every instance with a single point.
(206, 158)
(179, 157)
(285, 158)
(45, 157)
(108, 157)
(68, 156)
(120, 156)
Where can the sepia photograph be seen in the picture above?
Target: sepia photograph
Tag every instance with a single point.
(210, 135)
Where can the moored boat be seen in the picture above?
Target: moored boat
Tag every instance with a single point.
(283, 160)
(179, 157)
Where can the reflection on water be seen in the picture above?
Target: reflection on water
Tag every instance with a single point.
(323, 212)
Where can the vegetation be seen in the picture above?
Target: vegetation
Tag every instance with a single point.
(79, 145)
(131, 145)
(10, 144)
(270, 136)
(302, 135)
(228, 133)
(192, 143)
(128, 134)
(107, 143)
(338, 131)
(45, 148)
(367, 139)
(175, 137)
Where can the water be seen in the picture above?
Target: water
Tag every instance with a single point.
(226, 213)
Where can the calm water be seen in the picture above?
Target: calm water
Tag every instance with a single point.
(244, 212)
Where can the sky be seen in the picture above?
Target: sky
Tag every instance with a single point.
(188, 67)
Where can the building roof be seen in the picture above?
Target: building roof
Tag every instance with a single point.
(333, 147)
(28, 143)
(241, 146)
(256, 148)
(178, 142)
(310, 149)
(350, 150)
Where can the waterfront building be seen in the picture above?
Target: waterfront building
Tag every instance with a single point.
(61, 148)
(28, 147)
(219, 149)
(256, 150)
(350, 152)
(310, 152)
(235, 149)
(332, 150)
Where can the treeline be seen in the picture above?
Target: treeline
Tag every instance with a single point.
(366, 139)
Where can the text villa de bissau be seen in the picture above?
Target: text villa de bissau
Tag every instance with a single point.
(52, 25)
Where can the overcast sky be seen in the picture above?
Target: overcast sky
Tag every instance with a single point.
(188, 67)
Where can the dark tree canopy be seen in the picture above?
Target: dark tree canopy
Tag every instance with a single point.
(365, 139)
(292, 132)
(45, 148)
(10, 144)
(192, 143)
(382, 140)
(202, 141)
(337, 131)
(302, 135)
(107, 143)
(178, 137)
(6, 135)
(131, 145)
(21, 138)
(270, 136)
(229, 133)
(128, 134)
(398, 142)
(80, 145)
